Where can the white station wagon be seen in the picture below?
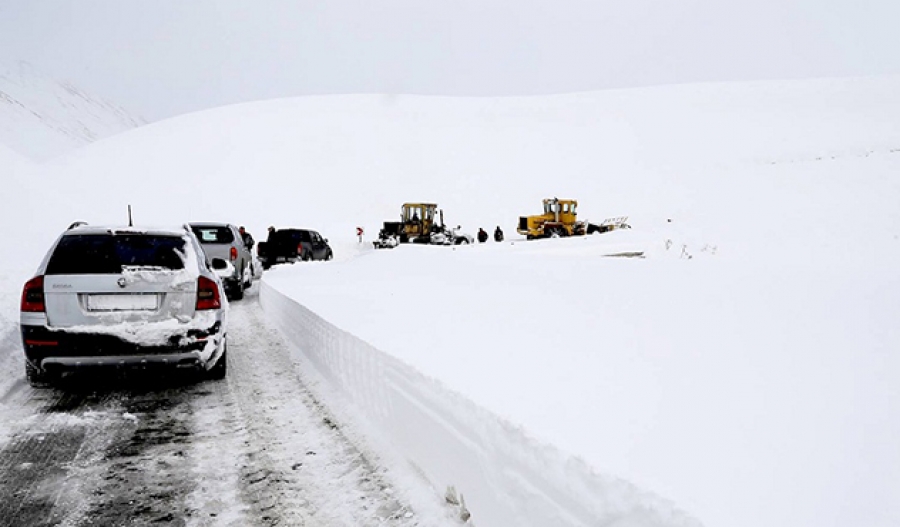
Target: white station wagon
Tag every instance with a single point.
(124, 297)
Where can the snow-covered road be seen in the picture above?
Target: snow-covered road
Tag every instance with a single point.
(254, 449)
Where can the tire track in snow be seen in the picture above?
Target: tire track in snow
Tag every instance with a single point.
(301, 469)
(45, 467)
(144, 477)
(98, 451)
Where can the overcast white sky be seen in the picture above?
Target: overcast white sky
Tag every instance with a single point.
(164, 57)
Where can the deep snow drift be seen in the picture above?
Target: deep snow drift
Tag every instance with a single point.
(745, 369)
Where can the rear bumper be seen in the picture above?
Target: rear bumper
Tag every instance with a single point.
(47, 348)
(270, 261)
(176, 360)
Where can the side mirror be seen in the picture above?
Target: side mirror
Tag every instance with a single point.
(218, 264)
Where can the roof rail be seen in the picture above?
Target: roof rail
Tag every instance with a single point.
(76, 224)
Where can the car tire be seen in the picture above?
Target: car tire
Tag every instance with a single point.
(234, 289)
(35, 377)
(329, 256)
(238, 292)
(306, 257)
(220, 369)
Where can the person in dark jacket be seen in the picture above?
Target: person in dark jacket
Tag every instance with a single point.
(248, 240)
(498, 234)
(482, 235)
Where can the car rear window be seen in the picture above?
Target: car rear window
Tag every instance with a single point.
(109, 253)
(213, 234)
(295, 236)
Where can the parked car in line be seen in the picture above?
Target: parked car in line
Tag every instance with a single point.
(124, 297)
(290, 245)
(222, 240)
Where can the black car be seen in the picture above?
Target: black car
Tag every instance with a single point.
(290, 245)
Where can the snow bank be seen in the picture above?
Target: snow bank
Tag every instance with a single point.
(504, 476)
(733, 370)
(13, 271)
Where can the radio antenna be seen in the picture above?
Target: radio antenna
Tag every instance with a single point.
(130, 223)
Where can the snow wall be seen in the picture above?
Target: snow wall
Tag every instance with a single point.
(505, 477)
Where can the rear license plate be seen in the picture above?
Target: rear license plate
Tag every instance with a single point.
(149, 302)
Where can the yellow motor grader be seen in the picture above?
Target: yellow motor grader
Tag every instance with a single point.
(419, 223)
(560, 218)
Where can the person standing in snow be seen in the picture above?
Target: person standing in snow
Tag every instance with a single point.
(482, 235)
(248, 240)
(498, 234)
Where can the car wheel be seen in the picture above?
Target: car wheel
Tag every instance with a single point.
(235, 291)
(329, 256)
(220, 369)
(35, 377)
(306, 257)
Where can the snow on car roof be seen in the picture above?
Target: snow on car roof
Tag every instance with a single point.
(125, 229)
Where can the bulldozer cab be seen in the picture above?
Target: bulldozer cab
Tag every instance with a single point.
(418, 218)
(561, 210)
(559, 218)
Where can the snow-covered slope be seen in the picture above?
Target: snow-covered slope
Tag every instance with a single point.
(341, 161)
(10, 161)
(744, 369)
(41, 117)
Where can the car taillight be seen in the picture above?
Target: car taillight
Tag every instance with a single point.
(299, 249)
(33, 295)
(233, 254)
(207, 294)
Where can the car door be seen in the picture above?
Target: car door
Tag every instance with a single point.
(318, 245)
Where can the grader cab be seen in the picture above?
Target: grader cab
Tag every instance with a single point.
(560, 219)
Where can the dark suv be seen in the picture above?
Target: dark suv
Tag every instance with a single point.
(290, 245)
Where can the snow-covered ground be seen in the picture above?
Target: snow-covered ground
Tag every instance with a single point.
(744, 370)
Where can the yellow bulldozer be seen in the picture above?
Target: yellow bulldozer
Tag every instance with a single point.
(560, 219)
(419, 223)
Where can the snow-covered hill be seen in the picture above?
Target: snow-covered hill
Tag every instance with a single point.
(744, 370)
(41, 117)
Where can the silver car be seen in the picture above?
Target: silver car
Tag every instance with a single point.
(222, 240)
(124, 297)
